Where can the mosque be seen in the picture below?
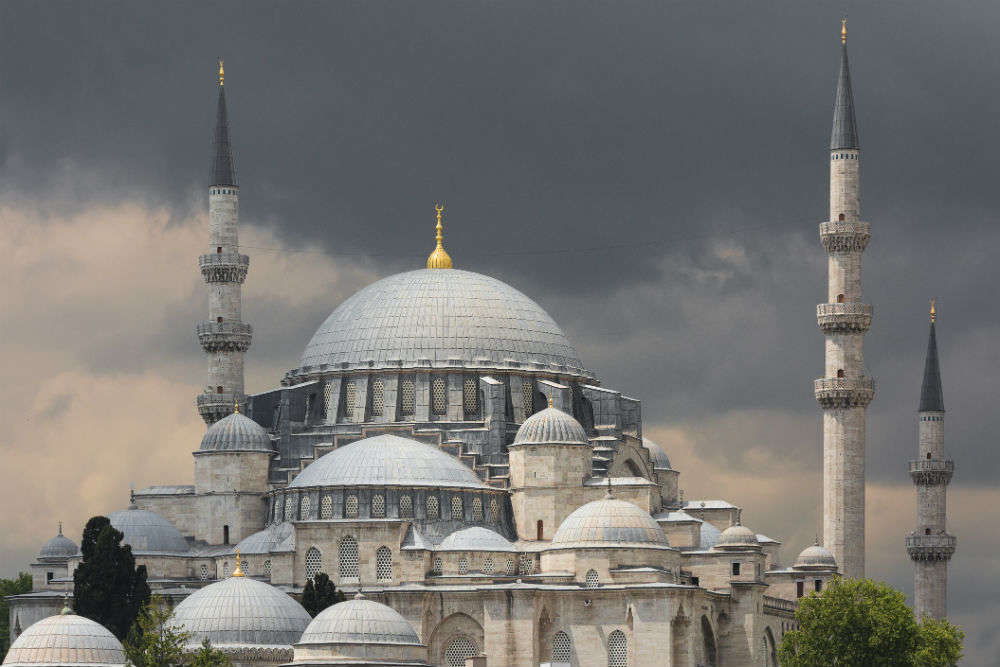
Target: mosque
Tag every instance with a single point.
(445, 456)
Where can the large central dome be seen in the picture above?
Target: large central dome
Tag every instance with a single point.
(440, 318)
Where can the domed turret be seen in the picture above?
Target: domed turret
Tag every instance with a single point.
(58, 548)
(147, 532)
(551, 426)
(610, 523)
(815, 557)
(236, 433)
(737, 537)
(66, 640)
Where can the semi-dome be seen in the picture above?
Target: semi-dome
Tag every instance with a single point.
(475, 538)
(442, 318)
(610, 522)
(236, 433)
(147, 532)
(388, 460)
(59, 546)
(240, 611)
(659, 457)
(737, 536)
(360, 621)
(66, 639)
(551, 426)
(815, 557)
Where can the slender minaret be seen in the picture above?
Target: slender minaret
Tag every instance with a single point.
(224, 336)
(845, 390)
(929, 546)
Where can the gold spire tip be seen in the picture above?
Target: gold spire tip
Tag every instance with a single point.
(238, 572)
(439, 258)
(550, 402)
(222, 73)
(843, 31)
(236, 405)
(933, 312)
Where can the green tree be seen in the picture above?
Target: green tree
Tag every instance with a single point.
(853, 622)
(206, 656)
(151, 641)
(107, 585)
(10, 587)
(939, 644)
(320, 593)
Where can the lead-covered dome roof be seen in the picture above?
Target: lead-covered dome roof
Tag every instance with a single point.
(551, 426)
(816, 557)
(147, 532)
(360, 621)
(388, 460)
(737, 537)
(240, 611)
(475, 538)
(59, 546)
(65, 639)
(659, 457)
(610, 522)
(439, 317)
(236, 433)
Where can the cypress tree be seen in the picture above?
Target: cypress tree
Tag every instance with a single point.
(320, 593)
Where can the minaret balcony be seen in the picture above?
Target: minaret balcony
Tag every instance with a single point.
(930, 472)
(224, 336)
(844, 317)
(931, 547)
(213, 407)
(844, 392)
(224, 267)
(844, 236)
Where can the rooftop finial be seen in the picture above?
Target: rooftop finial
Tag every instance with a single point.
(222, 73)
(66, 610)
(60, 527)
(236, 405)
(238, 572)
(439, 259)
(608, 494)
(131, 498)
(933, 312)
(843, 31)
(551, 402)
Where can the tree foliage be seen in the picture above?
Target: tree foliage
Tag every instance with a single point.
(107, 585)
(206, 656)
(151, 641)
(939, 644)
(10, 587)
(320, 593)
(863, 622)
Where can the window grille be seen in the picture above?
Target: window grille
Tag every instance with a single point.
(383, 564)
(327, 397)
(350, 398)
(439, 396)
(405, 507)
(470, 397)
(267, 569)
(477, 509)
(348, 558)
(456, 507)
(562, 649)
(378, 506)
(527, 398)
(407, 394)
(617, 649)
(459, 649)
(204, 572)
(592, 579)
(488, 566)
(225, 568)
(463, 565)
(510, 568)
(326, 508)
(279, 508)
(314, 562)
(432, 507)
(351, 507)
(494, 510)
(378, 397)
(437, 567)
(525, 564)
(306, 505)
(289, 508)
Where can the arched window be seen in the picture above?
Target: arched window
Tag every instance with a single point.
(562, 649)
(437, 567)
(527, 397)
(289, 508)
(494, 510)
(351, 507)
(477, 509)
(204, 572)
(350, 398)
(708, 642)
(470, 397)
(510, 568)
(407, 394)
(267, 569)
(488, 566)
(525, 564)
(840, 372)
(617, 649)
(218, 390)
(348, 554)
(305, 507)
(326, 508)
(840, 298)
(383, 564)
(405, 507)
(314, 562)
(433, 511)
(327, 394)
(539, 529)
(378, 506)
(841, 218)
(456, 507)
(439, 396)
(463, 565)
(459, 649)
(378, 397)
(592, 580)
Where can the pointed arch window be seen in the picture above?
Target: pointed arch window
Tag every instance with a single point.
(314, 562)
(562, 648)
(348, 553)
(383, 564)
(617, 649)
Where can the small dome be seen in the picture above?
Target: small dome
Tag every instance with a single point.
(610, 522)
(388, 460)
(657, 455)
(271, 539)
(240, 611)
(551, 426)
(816, 557)
(360, 621)
(709, 535)
(236, 433)
(148, 532)
(475, 539)
(59, 547)
(65, 639)
(736, 537)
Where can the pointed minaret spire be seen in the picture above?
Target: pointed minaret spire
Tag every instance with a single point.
(845, 127)
(931, 395)
(223, 165)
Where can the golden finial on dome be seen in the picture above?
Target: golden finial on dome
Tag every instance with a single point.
(222, 73)
(236, 405)
(439, 259)
(843, 31)
(238, 572)
(550, 402)
(933, 312)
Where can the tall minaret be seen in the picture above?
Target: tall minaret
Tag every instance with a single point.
(929, 546)
(845, 390)
(224, 336)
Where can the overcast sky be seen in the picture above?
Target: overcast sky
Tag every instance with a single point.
(651, 173)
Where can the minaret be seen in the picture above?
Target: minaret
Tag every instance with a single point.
(845, 390)
(224, 337)
(929, 546)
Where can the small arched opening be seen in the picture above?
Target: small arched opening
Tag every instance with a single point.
(841, 218)
(840, 372)
(539, 530)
